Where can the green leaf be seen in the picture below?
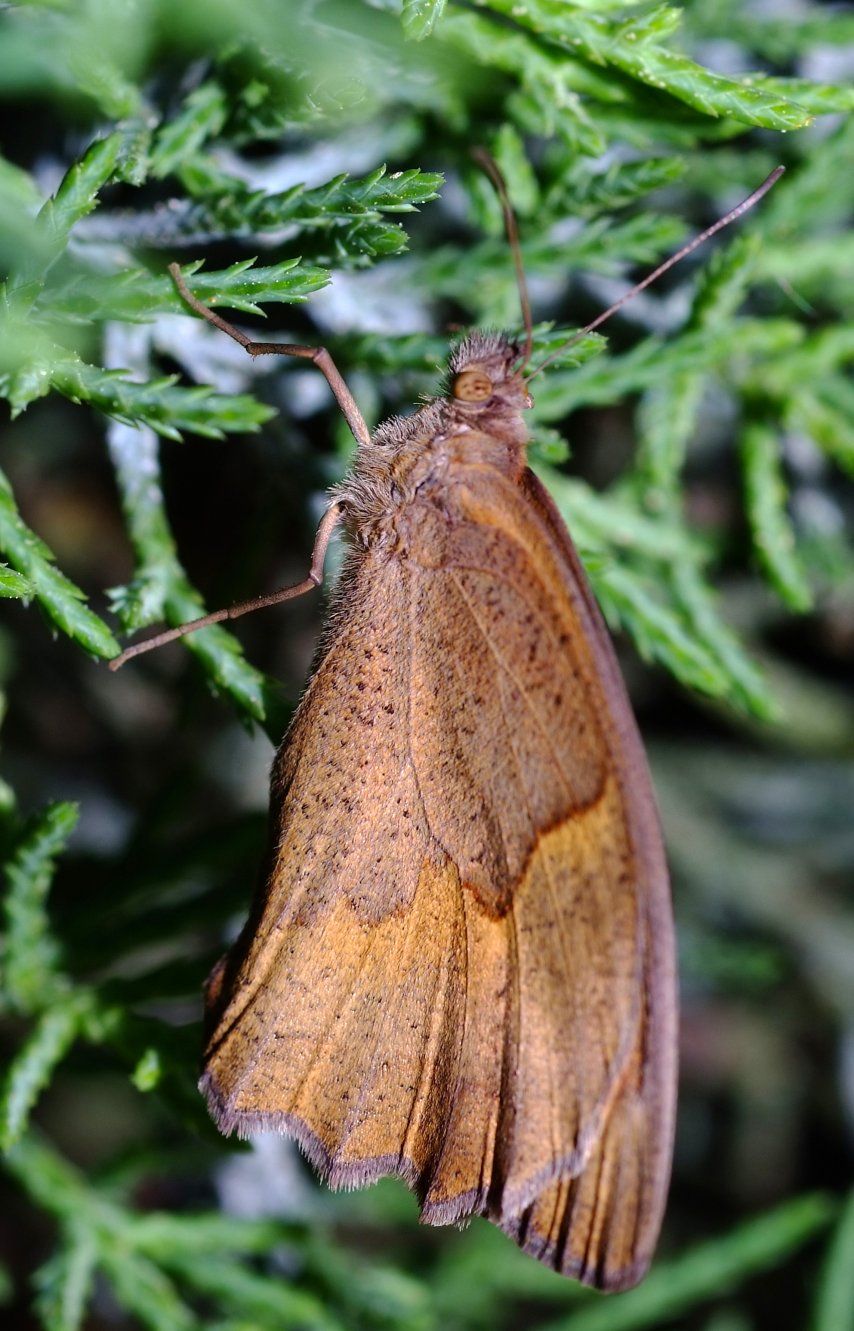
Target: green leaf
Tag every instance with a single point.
(161, 588)
(616, 522)
(646, 571)
(352, 208)
(746, 686)
(725, 280)
(826, 414)
(146, 1291)
(666, 422)
(649, 364)
(248, 1293)
(78, 192)
(221, 657)
(773, 536)
(137, 294)
(708, 1270)
(658, 633)
(162, 404)
(58, 597)
(64, 1284)
(834, 1307)
(549, 100)
(420, 17)
(586, 190)
(203, 115)
(488, 267)
(219, 109)
(77, 195)
(198, 1234)
(670, 409)
(21, 243)
(13, 585)
(34, 1064)
(508, 149)
(631, 45)
(30, 953)
(148, 1072)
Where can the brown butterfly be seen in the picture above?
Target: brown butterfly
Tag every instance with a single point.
(460, 966)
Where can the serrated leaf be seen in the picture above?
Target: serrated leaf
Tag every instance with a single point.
(724, 281)
(826, 415)
(597, 520)
(819, 99)
(12, 584)
(32, 1067)
(352, 207)
(765, 499)
(137, 294)
(746, 685)
(674, 1287)
(834, 1306)
(21, 243)
(420, 18)
(599, 248)
(195, 1234)
(588, 191)
(612, 378)
(658, 632)
(508, 149)
(76, 196)
(221, 657)
(61, 600)
(144, 1289)
(549, 101)
(627, 46)
(202, 117)
(30, 955)
(250, 1293)
(666, 421)
(645, 572)
(64, 1283)
(161, 589)
(162, 404)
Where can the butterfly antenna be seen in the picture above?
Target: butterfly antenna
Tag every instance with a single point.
(731, 216)
(488, 163)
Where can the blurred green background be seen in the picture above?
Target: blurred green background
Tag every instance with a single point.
(704, 461)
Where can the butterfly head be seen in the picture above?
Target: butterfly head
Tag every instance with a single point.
(486, 375)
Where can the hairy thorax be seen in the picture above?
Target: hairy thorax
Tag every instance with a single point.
(422, 459)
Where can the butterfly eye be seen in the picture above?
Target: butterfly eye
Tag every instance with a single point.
(472, 386)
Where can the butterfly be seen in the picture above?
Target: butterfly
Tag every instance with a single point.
(459, 967)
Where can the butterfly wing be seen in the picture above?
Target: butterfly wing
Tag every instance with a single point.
(460, 965)
(338, 1016)
(538, 788)
(601, 1224)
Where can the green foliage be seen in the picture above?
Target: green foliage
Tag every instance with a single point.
(330, 154)
(34, 984)
(835, 1306)
(766, 508)
(39, 577)
(420, 17)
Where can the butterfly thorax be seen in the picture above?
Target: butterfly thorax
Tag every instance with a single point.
(419, 459)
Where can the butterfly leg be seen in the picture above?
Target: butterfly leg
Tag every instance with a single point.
(319, 356)
(315, 577)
